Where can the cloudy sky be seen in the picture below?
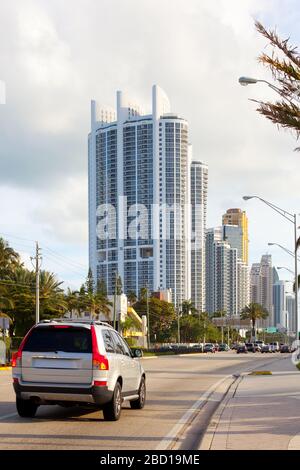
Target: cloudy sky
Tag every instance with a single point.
(56, 56)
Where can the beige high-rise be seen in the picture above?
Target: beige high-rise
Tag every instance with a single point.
(239, 217)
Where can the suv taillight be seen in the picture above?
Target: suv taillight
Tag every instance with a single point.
(16, 360)
(100, 362)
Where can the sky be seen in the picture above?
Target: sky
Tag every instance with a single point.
(56, 56)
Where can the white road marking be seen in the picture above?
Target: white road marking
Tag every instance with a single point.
(169, 438)
(11, 415)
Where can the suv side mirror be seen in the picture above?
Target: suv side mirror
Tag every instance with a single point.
(136, 352)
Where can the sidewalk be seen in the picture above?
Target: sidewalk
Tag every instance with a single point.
(261, 412)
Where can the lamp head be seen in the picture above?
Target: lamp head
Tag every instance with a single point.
(244, 81)
(246, 198)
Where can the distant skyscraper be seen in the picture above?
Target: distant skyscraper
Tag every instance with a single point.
(291, 309)
(225, 278)
(233, 234)
(243, 285)
(261, 286)
(141, 161)
(199, 177)
(238, 217)
(212, 236)
(279, 302)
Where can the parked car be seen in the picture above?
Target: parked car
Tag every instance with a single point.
(209, 347)
(77, 362)
(223, 347)
(242, 348)
(252, 347)
(275, 346)
(266, 348)
(285, 348)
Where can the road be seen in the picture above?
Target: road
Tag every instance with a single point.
(174, 384)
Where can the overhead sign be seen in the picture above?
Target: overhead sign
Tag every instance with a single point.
(271, 329)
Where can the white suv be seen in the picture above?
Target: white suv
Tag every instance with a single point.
(69, 362)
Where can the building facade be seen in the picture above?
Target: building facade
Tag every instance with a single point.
(239, 218)
(198, 191)
(225, 279)
(139, 197)
(261, 287)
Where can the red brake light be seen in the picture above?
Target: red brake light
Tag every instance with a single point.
(99, 362)
(61, 326)
(17, 357)
(100, 383)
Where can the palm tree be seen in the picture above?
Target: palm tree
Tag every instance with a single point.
(188, 307)
(254, 312)
(284, 64)
(9, 259)
(97, 304)
(132, 298)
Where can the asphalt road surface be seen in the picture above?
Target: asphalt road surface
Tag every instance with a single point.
(174, 385)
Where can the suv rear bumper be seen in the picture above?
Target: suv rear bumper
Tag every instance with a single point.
(97, 395)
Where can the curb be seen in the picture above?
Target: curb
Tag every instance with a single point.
(197, 432)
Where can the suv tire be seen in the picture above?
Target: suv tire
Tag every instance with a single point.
(112, 410)
(26, 408)
(140, 402)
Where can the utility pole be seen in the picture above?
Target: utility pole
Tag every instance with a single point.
(178, 324)
(37, 259)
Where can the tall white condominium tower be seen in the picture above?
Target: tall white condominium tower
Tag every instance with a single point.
(138, 160)
(225, 278)
(212, 236)
(261, 287)
(199, 179)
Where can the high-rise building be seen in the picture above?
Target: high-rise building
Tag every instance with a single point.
(212, 236)
(261, 287)
(239, 217)
(279, 302)
(291, 309)
(225, 279)
(233, 235)
(199, 178)
(243, 285)
(139, 195)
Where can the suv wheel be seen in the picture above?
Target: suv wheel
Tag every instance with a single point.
(140, 402)
(112, 411)
(26, 408)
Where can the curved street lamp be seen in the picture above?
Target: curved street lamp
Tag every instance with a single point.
(292, 218)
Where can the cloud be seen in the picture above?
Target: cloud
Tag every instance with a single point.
(55, 58)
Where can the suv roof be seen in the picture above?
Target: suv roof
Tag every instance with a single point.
(75, 321)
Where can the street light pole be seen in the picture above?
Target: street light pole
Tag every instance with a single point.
(178, 324)
(292, 218)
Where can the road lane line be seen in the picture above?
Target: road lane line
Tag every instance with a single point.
(11, 415)
(170, 437)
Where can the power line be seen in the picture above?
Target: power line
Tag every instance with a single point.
(62, 264)
(79, 265)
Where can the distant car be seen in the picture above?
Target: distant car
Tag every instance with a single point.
(209, 347)
(266, 348)
(197, 347)
(223, 347)
(241, 349)
(285, 348)
(275, 346)
(252, 347)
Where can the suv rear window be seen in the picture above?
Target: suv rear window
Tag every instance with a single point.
(72, 339)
